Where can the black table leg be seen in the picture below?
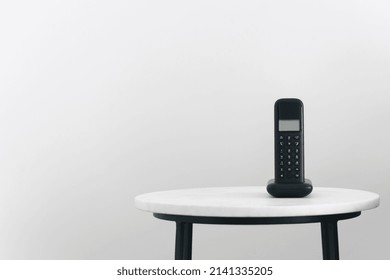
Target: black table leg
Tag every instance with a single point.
(183, 246)
(330, 241)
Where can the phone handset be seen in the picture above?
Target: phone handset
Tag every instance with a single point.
(289, 150)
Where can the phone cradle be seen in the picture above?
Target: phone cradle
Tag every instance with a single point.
(289, 189)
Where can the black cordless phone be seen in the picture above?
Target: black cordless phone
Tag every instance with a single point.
(289, 151)
(289, 156)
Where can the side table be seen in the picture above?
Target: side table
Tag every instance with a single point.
(253, 205)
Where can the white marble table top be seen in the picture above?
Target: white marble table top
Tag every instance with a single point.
(254, 201)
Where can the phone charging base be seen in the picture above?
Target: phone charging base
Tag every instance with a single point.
(289, 189)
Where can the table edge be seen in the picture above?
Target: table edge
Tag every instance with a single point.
(257, 220)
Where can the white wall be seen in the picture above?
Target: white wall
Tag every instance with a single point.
(104, 100)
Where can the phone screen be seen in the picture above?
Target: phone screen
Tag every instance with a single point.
(288, 125)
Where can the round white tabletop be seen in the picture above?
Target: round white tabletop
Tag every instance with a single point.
(254, 201)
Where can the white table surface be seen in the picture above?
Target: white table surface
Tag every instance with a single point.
(254, 201)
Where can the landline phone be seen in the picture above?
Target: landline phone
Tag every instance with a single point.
(290, 178)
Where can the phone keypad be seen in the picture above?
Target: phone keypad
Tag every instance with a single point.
(289, 156)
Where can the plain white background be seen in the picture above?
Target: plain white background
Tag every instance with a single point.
(104, 100)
